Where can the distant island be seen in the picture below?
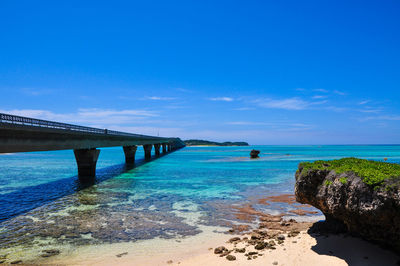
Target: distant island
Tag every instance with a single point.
(198, 142)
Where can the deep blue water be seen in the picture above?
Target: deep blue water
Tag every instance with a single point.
(40, 197)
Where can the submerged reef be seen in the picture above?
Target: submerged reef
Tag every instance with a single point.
(355, 195)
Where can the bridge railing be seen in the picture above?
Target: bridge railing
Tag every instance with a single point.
(20, 120)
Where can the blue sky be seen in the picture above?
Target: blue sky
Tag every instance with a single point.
(266, 72)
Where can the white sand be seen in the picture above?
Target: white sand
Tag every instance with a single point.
(332, 250)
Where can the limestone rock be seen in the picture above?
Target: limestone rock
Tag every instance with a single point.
(254, 154)
(372, 213)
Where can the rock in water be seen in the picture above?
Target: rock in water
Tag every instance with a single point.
(348, 203)
(254, 154)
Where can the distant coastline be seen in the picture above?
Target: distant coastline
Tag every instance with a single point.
(198, 142)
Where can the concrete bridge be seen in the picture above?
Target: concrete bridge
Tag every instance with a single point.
(23, 134)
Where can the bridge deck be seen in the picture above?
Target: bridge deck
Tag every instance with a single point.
(22, 134)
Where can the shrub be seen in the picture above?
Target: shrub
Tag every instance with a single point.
(373, 173)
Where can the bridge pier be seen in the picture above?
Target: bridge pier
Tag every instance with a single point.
(169, 147)
(86, 160)
(164, 147)
(157, 149)
(147, 151)
(130, 152)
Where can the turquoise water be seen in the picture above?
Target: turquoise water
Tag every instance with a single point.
(43, 204)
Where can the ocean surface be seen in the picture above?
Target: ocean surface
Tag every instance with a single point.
(43, 205)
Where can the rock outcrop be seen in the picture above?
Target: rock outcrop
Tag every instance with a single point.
(254, 154)
(347, 202)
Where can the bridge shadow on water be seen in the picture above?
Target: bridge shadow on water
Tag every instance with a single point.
(28, 198)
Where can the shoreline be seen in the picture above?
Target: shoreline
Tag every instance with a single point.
(303, 249)
(294, 244)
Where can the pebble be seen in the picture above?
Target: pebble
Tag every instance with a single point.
(219, 250)
(234, 239)
(293, 233)
(16, 262)
(275, 263)
(260, 246)
(170, 262)
(230, 257)
(50, 252)
(281, 237)
(294, 241)
(122, 254)
(256, 237)
(240, 250)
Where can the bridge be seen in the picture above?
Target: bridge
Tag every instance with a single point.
(24, 134)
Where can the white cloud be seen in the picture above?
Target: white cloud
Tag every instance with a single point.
(364, 102)
(89, 117)
(223, 99)
(151, 130)
(287, 104)
(246, 123)
(183, 90)
(339, 92)
(320, 97)
(156, 98)
(289, 126)
(37, 92)
(336, 109)
(383, 117)
(321, 90)
(244, 109)
(369, 110)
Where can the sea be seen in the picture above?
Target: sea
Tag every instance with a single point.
(180, 195)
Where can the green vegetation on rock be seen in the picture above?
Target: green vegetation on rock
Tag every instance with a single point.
(198, 142)
(373, 173)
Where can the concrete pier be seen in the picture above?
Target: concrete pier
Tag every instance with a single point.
(147, 151)
(169, 147)
(86, 160)
(130, 152)
(157, 149)
(164, 147)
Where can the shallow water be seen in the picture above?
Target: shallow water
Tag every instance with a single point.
(175, 196)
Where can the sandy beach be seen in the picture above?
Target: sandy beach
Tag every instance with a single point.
(303, 249)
